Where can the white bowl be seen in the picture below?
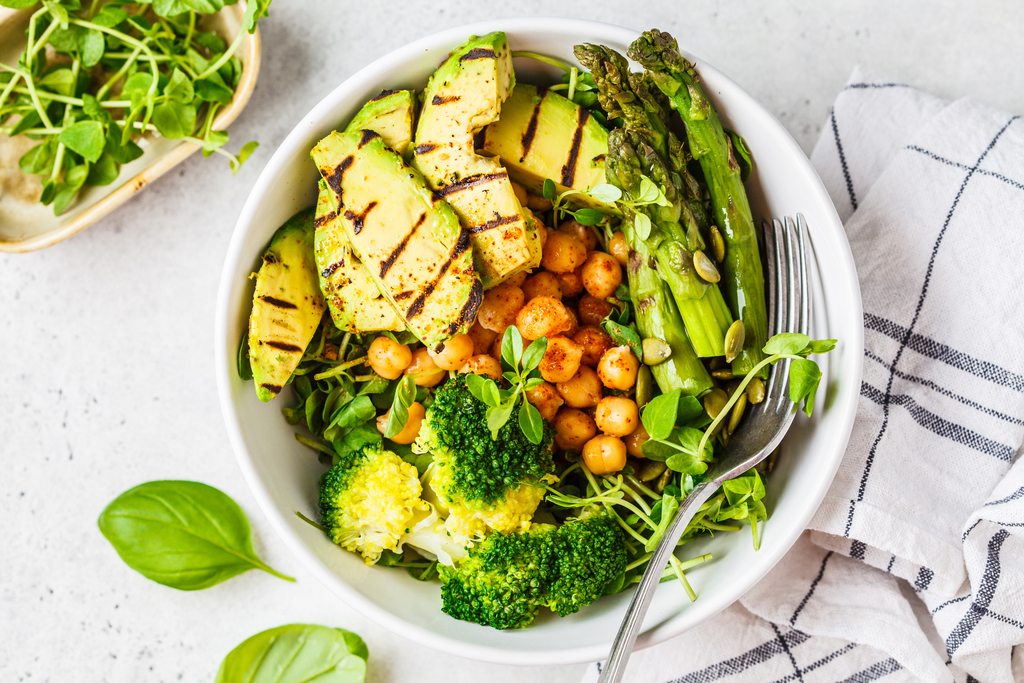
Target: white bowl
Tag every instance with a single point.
(284, 475)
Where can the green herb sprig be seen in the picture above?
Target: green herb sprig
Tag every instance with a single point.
(649, 194)
(522, 375)
(120, 70)
(297, 653)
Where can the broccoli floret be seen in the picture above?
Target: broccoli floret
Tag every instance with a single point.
(486, 484)
(507, 578)
(370, 502)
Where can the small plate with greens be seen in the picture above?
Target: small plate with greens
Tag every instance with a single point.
(482, 325)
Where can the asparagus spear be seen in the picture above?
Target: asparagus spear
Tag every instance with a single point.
(656, 312)
(742, 278)
(648, 148)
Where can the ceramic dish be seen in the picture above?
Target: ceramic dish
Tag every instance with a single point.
(284, 474)
(25, 224)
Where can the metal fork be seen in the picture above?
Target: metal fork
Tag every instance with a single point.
(760, 433)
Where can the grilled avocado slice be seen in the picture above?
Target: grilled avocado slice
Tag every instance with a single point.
(409, 240)
(463, 96)
(543, 135)
(390, 115)
(287, 306)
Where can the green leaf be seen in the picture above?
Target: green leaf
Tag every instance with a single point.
(60, 81)
(38, 159)
(690, 408)
(103, 172)
(18, 4)
(690, 438)
(122, 154)
(533, 383)
(405, 396)
(61, 200)
(497, 417)
(491, 396)
(742, 154)
(648, 191)
(91, 46)
(29, 120)
(179, 88)
(669, 505)
(787, 342)
(169, 8)
(550, 191)
(297, 653)
(686, 463)
(804, 376)
(181, 534)
(254, 11)
(85, 138)
(211, 41)
(356, 411)
(174, 120)
(375, 385)
(605, 193)
(361, 435)
(91, 107)
(821, 345)
(588, 216)
(243, 154)
(659, 416)
(475, 385)
(624, 335)
(531, 422)
(215, 139)
(213, 89)
(512, 347)
(534, 354)
(110, 16)
(642, 225)
(59, 12)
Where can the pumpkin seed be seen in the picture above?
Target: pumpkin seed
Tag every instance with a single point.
(734, 338)
(755, 390)
(725, 436)
(651, 469)
(705, 267)
(722, 374)
(655, 351)
(737, 413)
(663, 480)
(715, 402)
(716, 363)
(717, 244)
(644, 386)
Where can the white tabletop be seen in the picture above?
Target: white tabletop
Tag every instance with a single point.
(106, 339)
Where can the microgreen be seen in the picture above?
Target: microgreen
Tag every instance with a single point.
(119, 71)
(521, 372)
(405, 396)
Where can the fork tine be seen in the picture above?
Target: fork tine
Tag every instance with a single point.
(804, 324)
(780, 301)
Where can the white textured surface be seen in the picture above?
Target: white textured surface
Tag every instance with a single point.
(108, 373)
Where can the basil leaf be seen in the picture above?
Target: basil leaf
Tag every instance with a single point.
(659, 416)
(531, 422)
(405, 396)
(297, 653)
(804, 376)
(357, 411)
(624, 335)
(512, 347)
(822, 345)
(787, 342)
(534, 354)
(181, 534)
(85, 138)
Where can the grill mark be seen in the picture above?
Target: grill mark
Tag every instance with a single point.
(279, 303)
(276, 388)
(468, 312)
(497, 221)
(445, 100)
(478, 53)
(460, 247)
(383, 94)
(334, 177)
(569, 170)
(531, 127)
(292, 348)
(599, 159)
(367, 136)
(359, 218)
(329, 270)
(471, 181)
(320, 221)
(397, 251)
(480, 139)
(425, 148)
(403, 295)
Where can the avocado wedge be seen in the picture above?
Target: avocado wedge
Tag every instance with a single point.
(390, 114)
(408, 239)
(464, 95)
(286, 307)
(543, 135)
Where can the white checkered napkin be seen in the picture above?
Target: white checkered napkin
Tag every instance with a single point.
(930, 496)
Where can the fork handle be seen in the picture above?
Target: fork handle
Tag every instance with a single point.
(625, 639)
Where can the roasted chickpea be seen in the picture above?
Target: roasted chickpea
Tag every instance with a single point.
(618, 248)
(571, 284)
(482, 339)
(518, 279)
(593, 311)
(574, 323)
(542, 316)
(538, 203)
(580, 232)
(602, 275)
(424, 370)
(583, 390)
(483, 365)
(546, 399)
(454, 353)
(616, 415)
(520, 192)
(543, 232)
(618, 367)
(388, 358)
(561, 359)
(412, 425)
(594, 341)
(563, 253)
(604, 454)
(573, 428)
(636, 439)
(499, 307)
(543, 283)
